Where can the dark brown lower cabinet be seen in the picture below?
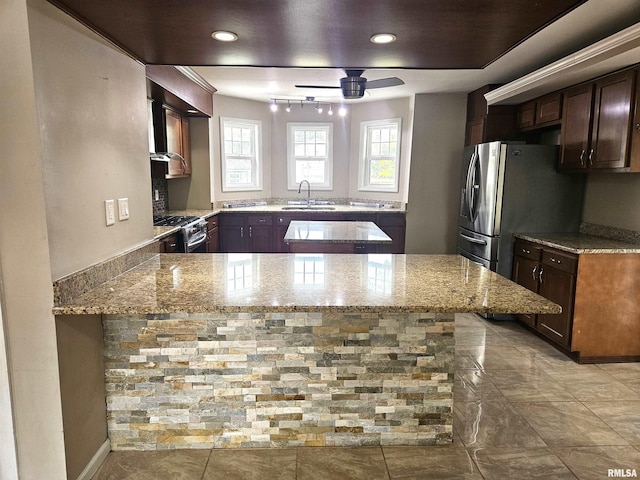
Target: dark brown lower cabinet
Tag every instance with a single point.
(264, 233)
(212, 234)
(551, 274)
(169, 244)
(600, 319)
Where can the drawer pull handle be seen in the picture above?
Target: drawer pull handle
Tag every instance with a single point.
(541, 272)
(533, 272)
(555, 261)
(524, 250)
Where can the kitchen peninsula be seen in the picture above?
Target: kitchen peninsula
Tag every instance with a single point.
(274, 350)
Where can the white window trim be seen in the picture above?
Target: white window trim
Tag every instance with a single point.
(256, 185)
(363, 169)
(328, 167)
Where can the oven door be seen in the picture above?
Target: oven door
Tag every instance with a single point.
(197, 243)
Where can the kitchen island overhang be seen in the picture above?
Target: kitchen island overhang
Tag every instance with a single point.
(263, 350)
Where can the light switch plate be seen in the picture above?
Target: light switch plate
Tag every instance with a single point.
(109, 212)
(123, 209)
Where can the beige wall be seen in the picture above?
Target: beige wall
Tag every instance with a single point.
(613, 200)
(346, 136)
(436, 157)
(26, 275)
(92, 112)
(82, 388)
(194, 192)
(364, 112)
(341, 129)
(246, 109)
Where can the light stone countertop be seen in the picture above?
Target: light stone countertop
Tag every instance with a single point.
(579, 243)
(335, 232)
(192, 283)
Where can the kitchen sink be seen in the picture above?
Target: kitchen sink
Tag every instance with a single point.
(308, 207)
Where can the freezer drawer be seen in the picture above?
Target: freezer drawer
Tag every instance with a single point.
(480, 261)
(482, 246)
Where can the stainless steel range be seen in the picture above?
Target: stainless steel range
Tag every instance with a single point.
(192, 234)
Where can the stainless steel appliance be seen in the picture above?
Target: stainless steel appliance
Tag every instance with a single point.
(192, 234)
(508, 188)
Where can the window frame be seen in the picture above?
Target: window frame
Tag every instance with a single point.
(255, 157)
(364, 166)
(292, 159)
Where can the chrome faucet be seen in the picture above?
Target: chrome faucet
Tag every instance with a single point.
(308, 191)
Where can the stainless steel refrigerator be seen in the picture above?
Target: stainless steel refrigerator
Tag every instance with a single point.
(513, 187)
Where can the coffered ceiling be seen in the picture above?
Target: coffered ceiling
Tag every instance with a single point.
(438, 39)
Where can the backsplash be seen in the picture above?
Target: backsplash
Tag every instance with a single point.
(613, 233)
(162, 204)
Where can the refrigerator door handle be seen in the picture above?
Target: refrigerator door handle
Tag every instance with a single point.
(472, 186)
(473, 240)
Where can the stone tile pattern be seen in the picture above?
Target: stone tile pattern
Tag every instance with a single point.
(229, 380)
(580, 243)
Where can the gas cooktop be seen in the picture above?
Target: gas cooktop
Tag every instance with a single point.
(173, 220)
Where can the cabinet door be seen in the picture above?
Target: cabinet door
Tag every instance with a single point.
(212, 240)
(526, 116)
(475, 132)
(549, 109)
(394, 225)
(260, 239)
(559, 287)
(232, 238)
(186, 144)
(576, 127)
(612, 121)
(525, 273)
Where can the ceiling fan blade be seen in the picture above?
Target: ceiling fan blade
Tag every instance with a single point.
(315, 86)
(384, 82)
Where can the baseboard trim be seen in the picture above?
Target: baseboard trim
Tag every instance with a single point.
(93, 465)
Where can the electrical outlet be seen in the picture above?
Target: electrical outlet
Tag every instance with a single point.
(157, 194)
(123, 209)
(109, 212)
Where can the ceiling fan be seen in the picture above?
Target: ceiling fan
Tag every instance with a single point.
(354, 84)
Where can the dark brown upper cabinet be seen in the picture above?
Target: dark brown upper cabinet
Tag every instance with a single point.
(542, 112)
(598, 125)
(488, 123)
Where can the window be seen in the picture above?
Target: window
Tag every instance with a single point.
(380, 155)
(310, 155)
(241, 154)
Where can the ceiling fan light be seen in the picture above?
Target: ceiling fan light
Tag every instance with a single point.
(382, 38)
(224, 36)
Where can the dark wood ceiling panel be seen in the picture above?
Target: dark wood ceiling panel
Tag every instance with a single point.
(432, 34)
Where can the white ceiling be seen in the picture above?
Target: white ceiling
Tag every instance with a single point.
(588, 23)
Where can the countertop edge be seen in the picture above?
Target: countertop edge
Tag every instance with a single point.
(625, 248)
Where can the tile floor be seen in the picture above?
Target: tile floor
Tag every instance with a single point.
(522, 410)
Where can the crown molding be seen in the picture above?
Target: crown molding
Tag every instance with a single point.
(614, 52)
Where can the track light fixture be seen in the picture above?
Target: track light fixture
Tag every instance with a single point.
(317, 105)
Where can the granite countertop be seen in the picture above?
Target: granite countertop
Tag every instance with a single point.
(191, 283)
(335, 232)
(580, 243)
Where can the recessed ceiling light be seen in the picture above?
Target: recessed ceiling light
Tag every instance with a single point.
(380, 38)
(224, 36)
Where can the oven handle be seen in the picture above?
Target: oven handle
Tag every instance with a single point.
(198, 241)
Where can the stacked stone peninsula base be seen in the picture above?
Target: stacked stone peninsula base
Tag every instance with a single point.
(237, 380)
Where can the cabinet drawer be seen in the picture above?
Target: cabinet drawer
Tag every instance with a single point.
(232, 219)
(259, 220)
(561, 260)
(525, 249)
